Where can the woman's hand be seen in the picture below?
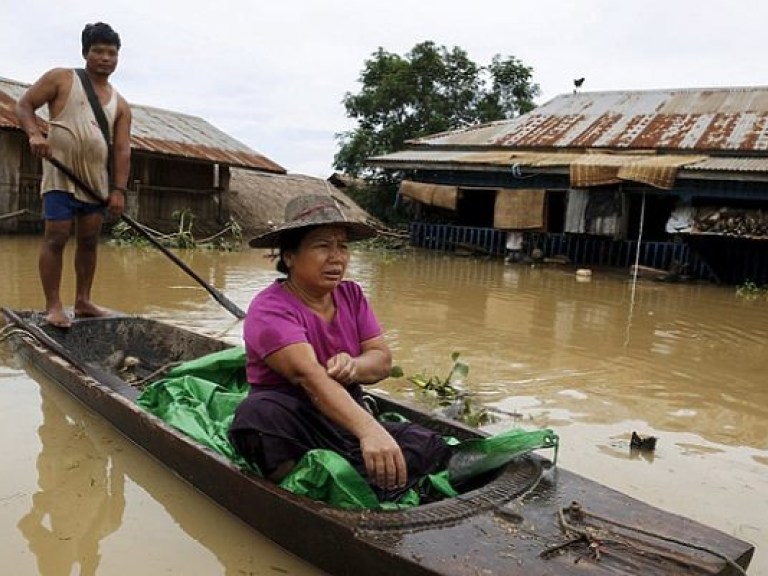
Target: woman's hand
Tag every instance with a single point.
(342, 368)
(372, 365)
(383, 458)
(384, 461)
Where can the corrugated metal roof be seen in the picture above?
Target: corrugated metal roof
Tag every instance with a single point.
(491, 160)
(162, 132)
(700, 120)
(731, 165)
(420, 158)
(10, 92)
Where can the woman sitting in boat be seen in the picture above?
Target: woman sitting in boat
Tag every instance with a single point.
(311, 341)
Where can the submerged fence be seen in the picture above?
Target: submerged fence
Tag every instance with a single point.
(580, 250)
(597, 251)
(449, 237)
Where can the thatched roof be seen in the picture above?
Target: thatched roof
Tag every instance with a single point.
(256, 198)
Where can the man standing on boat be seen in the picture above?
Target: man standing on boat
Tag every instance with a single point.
(76, 140)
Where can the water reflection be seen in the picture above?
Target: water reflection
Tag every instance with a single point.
(81, 497)
(86, 474)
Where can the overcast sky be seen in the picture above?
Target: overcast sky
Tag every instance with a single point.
(273, 74)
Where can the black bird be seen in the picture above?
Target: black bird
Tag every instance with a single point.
(578, 82)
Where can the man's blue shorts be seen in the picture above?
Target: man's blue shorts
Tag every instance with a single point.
(60, 205)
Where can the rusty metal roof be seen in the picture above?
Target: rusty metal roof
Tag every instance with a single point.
(10, 92)
(730, 120)
(162, 132)
(731, 165)
(491, 160)
(420, 158)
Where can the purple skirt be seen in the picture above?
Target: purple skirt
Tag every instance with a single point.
(275, 424)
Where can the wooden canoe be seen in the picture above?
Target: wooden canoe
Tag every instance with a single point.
(527, 518)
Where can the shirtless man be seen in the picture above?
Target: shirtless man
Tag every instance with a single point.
(75, 140)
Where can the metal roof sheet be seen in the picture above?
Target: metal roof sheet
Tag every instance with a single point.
(731, 165)
(10, 92)
(690, 120)
(162, 132)
(446, 159)
(423, 158)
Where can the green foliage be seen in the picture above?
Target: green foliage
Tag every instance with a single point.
(378, 199)
(184, 237)
(429, 90)
(449, 395)
(751, 291)
(228, 239)
(124, 235)
(449, 387)
(396, 372)
(387, 243)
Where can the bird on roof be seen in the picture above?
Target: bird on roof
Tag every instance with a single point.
(578, 82)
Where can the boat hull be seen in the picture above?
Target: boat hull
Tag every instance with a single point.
(510, 524)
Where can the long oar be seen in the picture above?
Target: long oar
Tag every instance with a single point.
(10, 215)
(218, 296)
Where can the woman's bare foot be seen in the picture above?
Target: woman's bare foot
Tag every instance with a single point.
(90, 310)
(57, 317)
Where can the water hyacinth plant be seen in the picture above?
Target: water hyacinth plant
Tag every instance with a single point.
(449, 395)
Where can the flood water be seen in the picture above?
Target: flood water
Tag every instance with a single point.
(593, 360)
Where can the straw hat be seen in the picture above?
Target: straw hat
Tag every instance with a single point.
(312, 210)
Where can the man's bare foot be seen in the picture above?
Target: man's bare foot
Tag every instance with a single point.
(90, 310)
(57, 317)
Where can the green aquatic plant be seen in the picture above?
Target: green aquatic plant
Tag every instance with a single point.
(750, 290)
(230, 238)
(183, 236)
(388, 241)
(449, 387)
(123, 235)
(448, 394)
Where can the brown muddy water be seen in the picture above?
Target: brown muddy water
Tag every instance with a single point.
(593, 360)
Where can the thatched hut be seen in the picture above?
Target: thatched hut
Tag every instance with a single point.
(258, 199)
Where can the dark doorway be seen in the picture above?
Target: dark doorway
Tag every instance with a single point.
(475, 207)
(555, 209)
(655, 216)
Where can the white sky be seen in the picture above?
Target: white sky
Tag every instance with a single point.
(273, 74)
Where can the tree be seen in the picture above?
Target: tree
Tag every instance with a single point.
(431, 89)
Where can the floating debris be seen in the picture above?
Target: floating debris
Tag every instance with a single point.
(647, 444)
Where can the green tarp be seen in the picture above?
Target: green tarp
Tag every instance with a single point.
(199, 398)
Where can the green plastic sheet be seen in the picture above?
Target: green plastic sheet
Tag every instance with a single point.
(199, 398)
(478, 456)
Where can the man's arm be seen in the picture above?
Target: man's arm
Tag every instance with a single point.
(121, 161)
(45, 91)
(122, 144)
